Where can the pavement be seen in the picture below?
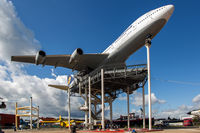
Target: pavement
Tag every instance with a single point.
(191, 130)
(58, 130)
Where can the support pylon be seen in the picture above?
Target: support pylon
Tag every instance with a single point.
(102, 98)
(148, 45)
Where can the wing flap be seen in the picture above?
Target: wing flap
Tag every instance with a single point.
(58, 61)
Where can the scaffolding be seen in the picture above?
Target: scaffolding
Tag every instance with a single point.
(26, 114)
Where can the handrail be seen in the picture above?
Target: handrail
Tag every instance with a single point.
(108, 69)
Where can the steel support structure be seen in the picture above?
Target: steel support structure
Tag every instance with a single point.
(31, 113)
(38, 120)
(86, 105)
(110, 104)
(128, 121)
(102, 98)
(69, 110)
(108, 77)
(143, 106)
(90, 109)
(148, 45)
(79, 85)
(16, 121)
(95, 108)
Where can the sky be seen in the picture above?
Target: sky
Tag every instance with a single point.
(59, 27)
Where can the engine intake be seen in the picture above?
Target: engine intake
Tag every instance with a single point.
(75, 55)
(3, 105)
(40, 57)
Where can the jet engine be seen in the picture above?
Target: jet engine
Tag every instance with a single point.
(3, 105)
(75, 55)
(40, 57)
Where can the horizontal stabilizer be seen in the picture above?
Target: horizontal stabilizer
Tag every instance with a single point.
(62, 87)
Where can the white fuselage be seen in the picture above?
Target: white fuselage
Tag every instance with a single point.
(194, 112)
(134, 36)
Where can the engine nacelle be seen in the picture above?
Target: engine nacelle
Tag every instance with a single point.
(75, 55)
(3, 105)
(40, 57)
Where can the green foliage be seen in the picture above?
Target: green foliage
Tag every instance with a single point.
(196, 121)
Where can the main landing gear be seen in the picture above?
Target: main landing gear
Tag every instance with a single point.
(148, 40)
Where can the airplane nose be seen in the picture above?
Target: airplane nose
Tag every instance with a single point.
(170, 9)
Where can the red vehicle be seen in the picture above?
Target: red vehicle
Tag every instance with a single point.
(7, 120)
(187, 122)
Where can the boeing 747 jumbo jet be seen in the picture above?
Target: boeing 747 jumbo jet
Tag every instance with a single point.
(132, 39)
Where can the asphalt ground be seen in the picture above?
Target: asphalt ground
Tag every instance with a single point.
(190, 130)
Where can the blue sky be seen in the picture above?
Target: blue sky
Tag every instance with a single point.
(64, 25)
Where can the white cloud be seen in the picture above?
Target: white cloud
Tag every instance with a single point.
(15, 83)
(15, 38)
(20, 86)
(137, 99)
(181, 111)
(196, 99)
(154, 99)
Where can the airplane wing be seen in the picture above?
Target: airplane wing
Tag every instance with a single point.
(62, 87)
(84, 61)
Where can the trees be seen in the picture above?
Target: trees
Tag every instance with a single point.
(196, 121)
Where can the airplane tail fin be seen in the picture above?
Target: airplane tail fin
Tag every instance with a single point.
(62, 87)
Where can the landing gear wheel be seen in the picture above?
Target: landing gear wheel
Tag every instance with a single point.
(148, 40)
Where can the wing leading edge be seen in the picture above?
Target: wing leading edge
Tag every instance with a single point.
(84, 61)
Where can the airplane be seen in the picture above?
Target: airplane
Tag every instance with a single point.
(194, 112)
(132, 39)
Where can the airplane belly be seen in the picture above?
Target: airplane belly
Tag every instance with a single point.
(135, 42)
